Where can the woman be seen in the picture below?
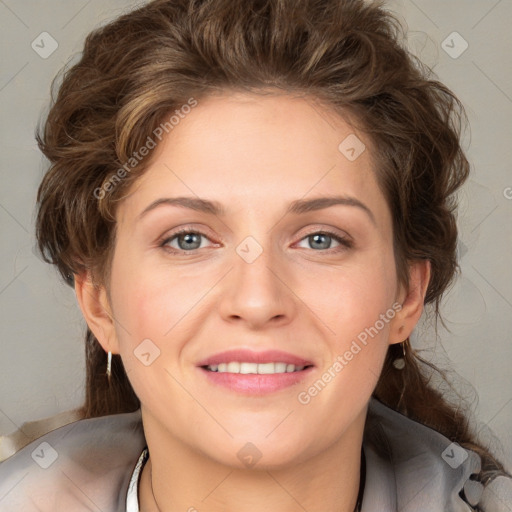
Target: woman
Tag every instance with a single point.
(200, 150)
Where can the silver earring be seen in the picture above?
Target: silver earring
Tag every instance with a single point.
(109, 365)
(399, 363)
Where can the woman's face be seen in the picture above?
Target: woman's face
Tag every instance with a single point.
(272, 270)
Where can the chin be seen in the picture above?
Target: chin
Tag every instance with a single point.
(261, 453)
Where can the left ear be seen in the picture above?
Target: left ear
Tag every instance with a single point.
(412, 301)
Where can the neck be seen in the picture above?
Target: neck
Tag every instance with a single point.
(177, 478)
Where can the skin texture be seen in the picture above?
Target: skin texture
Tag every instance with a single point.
(255, 155)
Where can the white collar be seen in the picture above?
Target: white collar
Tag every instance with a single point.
(132, 496)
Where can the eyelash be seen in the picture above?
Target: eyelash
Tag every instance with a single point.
(345, 243)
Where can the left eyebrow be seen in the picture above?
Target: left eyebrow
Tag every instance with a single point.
(297, 207)
(319, 203)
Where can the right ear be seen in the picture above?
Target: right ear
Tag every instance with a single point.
(93, 302)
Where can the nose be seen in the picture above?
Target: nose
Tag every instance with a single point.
(258, 293)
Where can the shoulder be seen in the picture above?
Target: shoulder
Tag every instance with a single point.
(412, 467)
(85, 465)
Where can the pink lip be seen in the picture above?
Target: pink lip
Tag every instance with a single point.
(255, 384)
(249, 356)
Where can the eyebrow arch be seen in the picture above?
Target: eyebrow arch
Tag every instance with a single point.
(297, 207)
(319, 203)
(193, 203)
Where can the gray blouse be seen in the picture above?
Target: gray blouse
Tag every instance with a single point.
(94, 465)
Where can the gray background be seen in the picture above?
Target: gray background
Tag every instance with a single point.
(41, 359)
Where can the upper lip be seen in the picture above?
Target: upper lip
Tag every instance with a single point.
(250, 356)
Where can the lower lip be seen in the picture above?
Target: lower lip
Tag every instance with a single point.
(256, 384)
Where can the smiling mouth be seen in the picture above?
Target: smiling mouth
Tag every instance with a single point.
(246, 368)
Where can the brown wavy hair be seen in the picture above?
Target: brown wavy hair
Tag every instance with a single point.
(347, 54)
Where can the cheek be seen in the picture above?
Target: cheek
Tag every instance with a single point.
(148, 312)
(355, 308)
(139, 292)
(351, 298)
(137, 300)
(160, 305)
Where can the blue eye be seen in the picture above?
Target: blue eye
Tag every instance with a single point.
(323, 240)
(187, 240)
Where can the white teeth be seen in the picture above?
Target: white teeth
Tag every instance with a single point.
(266, 368)
(233, 367)
(254, 368)
(281, 367)
(248, 368)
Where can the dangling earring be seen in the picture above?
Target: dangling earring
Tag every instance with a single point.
(109, 365)
(399, 362)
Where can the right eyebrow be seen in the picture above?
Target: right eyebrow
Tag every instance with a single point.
(193, 203)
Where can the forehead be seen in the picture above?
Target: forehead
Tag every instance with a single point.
(259, 151)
